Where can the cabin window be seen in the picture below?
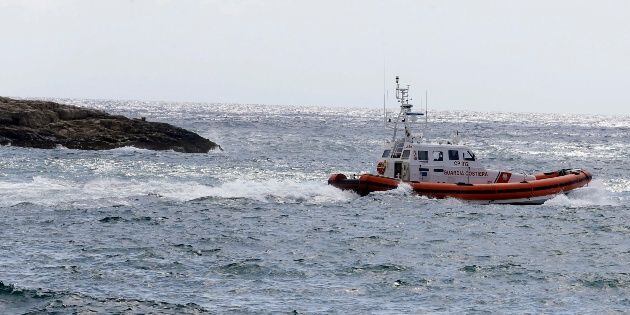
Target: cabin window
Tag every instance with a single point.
(423, 155)
(453, 155)
(438, 156)
(468, 156)
(397, 150)
(386, 153)
(405, 154)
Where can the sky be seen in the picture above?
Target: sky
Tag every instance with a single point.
(516, 56)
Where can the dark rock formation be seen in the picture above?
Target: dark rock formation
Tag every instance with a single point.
(46, 125)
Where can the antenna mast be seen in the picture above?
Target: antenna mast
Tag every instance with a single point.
(384, 97)
(426, 110)
(405, 116)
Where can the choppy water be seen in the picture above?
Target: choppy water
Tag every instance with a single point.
(255, 228)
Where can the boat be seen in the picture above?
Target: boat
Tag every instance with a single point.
(448, 169)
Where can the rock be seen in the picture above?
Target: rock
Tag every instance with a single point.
(46, 125)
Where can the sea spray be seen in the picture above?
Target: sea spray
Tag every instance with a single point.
(596, 194)
(47, 191)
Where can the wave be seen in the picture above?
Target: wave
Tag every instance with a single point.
(278, 191)
(14, 300)
(256, 268)
(620, 185)
(107, 192)
(132, 149)
(596, 194)
(102, 192)
(607, 280)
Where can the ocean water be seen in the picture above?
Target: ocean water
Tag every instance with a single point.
(255, 229)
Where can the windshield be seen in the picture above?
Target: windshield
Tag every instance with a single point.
(469, 156)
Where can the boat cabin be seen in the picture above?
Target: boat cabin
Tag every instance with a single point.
(438, 163)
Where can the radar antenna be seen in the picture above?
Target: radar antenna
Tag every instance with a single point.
(406, 116)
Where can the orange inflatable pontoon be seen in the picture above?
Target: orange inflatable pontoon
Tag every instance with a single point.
(544, 187)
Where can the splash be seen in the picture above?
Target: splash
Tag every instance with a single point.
(596, 194)
(403, 189)
(104, 192)
(274, 190)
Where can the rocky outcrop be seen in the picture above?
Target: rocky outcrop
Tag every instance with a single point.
(41, 124)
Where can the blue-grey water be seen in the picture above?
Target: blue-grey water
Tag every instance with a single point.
(255, 228)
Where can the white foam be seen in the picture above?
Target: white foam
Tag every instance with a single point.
(109, 191)
(596, 194)
(264, 191)
(134, 149)
(403, 189)
(621, 185)
(46, 191)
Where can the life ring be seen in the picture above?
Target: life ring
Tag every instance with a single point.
(381, 166)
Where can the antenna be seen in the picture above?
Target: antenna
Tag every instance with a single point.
(426, 110)
(384, 97)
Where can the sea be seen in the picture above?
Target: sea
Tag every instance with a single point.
(255, 229)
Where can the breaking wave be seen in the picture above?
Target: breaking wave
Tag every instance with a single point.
(596, 194)
(275, 190)
(104, 192)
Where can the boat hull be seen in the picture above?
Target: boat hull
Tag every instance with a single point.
(545, 187)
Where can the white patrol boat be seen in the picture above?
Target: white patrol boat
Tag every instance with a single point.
(448, 169)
